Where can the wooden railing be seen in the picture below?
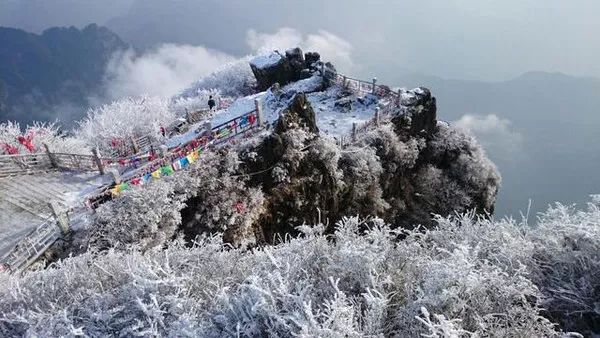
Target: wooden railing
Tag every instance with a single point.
(362, 86)
(390, 104)
(218, 136)
(133, 145)
(24, 164)
(75, 162)
(32, 246)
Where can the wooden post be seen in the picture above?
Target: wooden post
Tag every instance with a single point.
(354, 132)
(61, 217)
(115, 174)
(399, 98)
(53, 161)
(377, 116)
(98, 160)
(374, 84)
(134, 145)
(345, 81)
(322, 68)
(259, 112)
(163, 150)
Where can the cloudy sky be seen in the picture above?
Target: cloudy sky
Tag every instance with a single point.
(466, 39)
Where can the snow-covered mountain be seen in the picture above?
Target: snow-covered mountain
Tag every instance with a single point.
(60, 67)
(213, 236)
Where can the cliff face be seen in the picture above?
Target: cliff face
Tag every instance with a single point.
(403, 171)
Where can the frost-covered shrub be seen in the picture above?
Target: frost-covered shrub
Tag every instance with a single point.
(295, 141)
(437, 188)
(566, 265)
(234, 79)
(148, 217)
(461, 284)
(208, 197)
(182, 105)
(361, 182)
(222, 202)
(129, 117)
(396, 155)
(467, 163)
(467, 277)
(36, 136)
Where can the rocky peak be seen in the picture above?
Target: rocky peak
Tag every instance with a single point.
(419, 115)
(298, 114)
(285, 68)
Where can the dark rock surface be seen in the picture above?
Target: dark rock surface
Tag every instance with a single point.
(420, 115)
(404, 172)
(284, 68)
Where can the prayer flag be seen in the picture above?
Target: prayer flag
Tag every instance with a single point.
(115, 191)
(123, 186)
(190, 158)
(167, 170)
(185, 161)
(176, 165)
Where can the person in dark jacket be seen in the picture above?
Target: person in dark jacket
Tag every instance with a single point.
(211, 102)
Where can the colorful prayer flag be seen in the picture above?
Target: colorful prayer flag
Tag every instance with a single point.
(190, 158)
(115, 191)
(185, 161)
(176, 165)
(167, 170)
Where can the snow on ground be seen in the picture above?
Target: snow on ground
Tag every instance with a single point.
(333, 120)
(306, 85)
(336, 120)
(267, 60)
(238, 108)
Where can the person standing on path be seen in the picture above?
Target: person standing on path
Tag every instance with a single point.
(211, 102)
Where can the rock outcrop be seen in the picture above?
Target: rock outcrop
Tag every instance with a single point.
(420, 114)
(284, 68)
(405, 171)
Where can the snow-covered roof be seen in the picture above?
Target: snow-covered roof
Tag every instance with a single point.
(264, 61)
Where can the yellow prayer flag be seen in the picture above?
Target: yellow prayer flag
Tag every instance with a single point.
(156, 174)
(115, 191)
(190, 158)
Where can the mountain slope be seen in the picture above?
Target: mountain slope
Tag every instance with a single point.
(62, 65)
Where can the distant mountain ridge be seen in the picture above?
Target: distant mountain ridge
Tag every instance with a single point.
(61, 65)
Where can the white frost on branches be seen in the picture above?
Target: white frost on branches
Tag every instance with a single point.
(40, 133)
(130, 117)
(467, 277)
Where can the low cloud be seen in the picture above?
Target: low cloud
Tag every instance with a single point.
(170, 68)
(495, 134)
(331, 47)
(165, 71)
